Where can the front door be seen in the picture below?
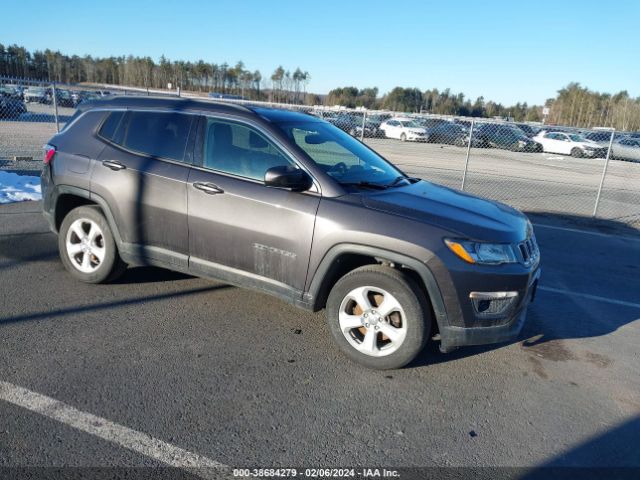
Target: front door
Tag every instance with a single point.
(240, 229)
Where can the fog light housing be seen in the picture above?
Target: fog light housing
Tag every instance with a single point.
(493, 304)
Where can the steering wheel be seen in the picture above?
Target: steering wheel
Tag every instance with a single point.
(340, 168)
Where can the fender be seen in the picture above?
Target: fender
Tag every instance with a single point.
(81, 192)
(427, 276)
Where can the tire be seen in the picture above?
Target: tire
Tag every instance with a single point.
(403, 137)
(92, 257)
(576, 152)
(409, 317)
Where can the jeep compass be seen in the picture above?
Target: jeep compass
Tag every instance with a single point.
(285, 203)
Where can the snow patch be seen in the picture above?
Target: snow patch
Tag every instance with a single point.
(18, 188)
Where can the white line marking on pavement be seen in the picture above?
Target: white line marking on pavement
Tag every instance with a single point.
(590, 297)
(587, 232)
(106, 430)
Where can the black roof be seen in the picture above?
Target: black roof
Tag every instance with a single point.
(278, 115)
(196, 105)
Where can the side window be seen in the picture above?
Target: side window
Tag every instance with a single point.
(110, 126)
(237, 149)
(158, 134)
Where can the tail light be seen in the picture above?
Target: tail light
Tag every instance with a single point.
(49, 152)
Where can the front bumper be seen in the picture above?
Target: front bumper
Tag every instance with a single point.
(453, 336)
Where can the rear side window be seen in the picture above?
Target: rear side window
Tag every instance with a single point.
(158, 134)
(110, 126)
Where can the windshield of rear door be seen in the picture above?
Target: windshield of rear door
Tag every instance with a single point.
(340, 155)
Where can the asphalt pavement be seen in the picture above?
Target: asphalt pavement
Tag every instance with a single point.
(242, 379)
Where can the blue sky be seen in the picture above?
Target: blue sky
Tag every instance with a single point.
(507, 51)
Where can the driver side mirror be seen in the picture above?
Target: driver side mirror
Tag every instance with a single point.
(288, 177)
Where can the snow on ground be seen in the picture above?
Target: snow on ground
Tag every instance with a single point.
(18, 188)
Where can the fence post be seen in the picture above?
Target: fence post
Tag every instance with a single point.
(364, 122)
(604, 173)
(55, 106)
(466, 160)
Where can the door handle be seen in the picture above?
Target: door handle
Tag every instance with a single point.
(113, 165)
(210, 188)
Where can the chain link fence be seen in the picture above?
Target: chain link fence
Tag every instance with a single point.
(533, 167)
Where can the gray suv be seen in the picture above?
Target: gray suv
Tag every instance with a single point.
(285, 203)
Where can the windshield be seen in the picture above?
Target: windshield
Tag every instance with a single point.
(576, 138)
(341, 156)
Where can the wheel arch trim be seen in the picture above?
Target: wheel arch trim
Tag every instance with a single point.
(61, 190)
(426, 275)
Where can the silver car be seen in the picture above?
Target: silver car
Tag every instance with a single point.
(626, 149)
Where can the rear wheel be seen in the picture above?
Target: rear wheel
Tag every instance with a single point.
(378, 317)
(87, 247)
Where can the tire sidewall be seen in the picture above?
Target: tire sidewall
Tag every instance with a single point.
(110, 259)
(417, 315)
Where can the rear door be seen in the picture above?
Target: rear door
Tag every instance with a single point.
(142, 174)
(239, 228)
(554, 143)
(393, 129)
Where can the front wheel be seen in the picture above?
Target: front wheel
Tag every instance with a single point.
(403, 137)
(576, 152)
(87, 247)
(379, 317)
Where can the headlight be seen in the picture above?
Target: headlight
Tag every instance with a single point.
(482, 253)
(587, 147)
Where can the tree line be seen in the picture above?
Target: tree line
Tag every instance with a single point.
(574, 105)
(283, 85)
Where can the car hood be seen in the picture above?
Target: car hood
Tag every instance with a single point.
(464, 215)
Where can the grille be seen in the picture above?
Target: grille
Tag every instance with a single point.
(529, 252)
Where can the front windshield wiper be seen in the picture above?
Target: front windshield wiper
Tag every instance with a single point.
(374, 186)
(398, 179)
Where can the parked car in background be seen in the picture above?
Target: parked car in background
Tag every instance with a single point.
(529, 130)
(35, 95)
(16, 91)
(86, 96)
(378, 118)
(76, 96)
(345, 122)
(64, 98)
(447, 132)
(601, 137)
(506, 137)
(10, 91)
(626, 149)
(371, 129)
(11, 106)
(570, 144)
(404, 128)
